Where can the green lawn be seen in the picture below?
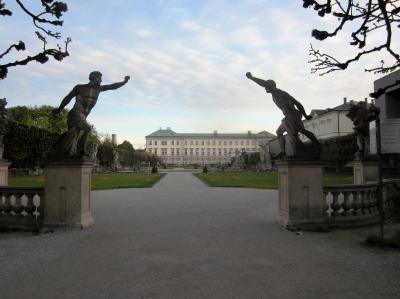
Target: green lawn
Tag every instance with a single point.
(261, 180)
(99, 181)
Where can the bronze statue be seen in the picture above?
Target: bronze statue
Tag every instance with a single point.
(293, 112)
(361, 115)
(71, 143)
(3, 125)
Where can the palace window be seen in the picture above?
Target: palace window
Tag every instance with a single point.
(172, 152)
(177, 151)
(163, 152)
(150, 142)
(164, 142)
(172, 142)
(155, 142)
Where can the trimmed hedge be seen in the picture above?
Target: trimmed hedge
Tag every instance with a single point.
(27, 147)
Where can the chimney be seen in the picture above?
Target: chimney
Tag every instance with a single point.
(168, 128)
(114, 139)
(215, 132)
(344, 100)
(249, 132)
(366, 100)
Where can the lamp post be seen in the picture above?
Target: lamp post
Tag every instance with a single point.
(380, 189)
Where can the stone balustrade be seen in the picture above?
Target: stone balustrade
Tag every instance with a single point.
(357, 205)
(21, 207)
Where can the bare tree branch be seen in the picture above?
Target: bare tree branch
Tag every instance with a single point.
(372, 15)
(52, 9)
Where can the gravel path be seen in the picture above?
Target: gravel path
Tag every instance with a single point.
(182, 239)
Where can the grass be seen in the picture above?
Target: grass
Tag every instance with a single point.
(99, 181)
(261, 180)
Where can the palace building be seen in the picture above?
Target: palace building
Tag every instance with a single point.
(199, 148)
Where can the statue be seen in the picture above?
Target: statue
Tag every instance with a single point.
(72, 143)
(291, 123)
(361, 115)
(3, 125)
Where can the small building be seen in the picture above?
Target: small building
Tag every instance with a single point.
(329, 123)
(203, 148)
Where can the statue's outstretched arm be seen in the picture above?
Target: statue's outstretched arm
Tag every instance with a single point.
(115, 85)
(259, 81)
(67, 99)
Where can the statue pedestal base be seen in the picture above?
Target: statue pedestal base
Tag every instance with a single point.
(67, 193)
(364, 171)
(301, 201)
(4, 172)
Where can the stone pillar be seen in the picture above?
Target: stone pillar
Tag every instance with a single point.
(4, 172)
(67, 193)
(301, 201)
(364, 171)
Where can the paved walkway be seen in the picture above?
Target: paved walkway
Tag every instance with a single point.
(181, 239)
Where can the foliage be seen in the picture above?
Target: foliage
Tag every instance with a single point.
(205, 169)
(39, 117)
(126, 145)
(251, 159)
(49, 17)
(154, 169)
(126, 158)
(33, 133)
(337, 151)
(366, 18)
(27, 147)
(99, 181)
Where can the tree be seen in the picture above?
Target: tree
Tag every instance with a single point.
(50, 16)
(366, 17)
(126, 145)
(39, 117)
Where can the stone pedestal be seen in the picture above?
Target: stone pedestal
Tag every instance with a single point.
(67, 193)
(4, 172)
(364, 171)
(301, 201)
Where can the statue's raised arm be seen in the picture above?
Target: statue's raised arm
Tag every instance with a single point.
(115, 85)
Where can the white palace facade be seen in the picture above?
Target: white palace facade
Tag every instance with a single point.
(199, 148)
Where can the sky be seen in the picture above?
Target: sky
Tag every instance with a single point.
(187, 60)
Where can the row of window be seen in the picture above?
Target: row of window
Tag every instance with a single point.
(198, 151)
(202, 142)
